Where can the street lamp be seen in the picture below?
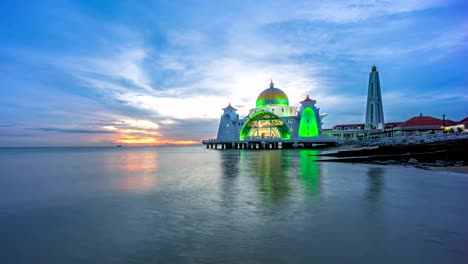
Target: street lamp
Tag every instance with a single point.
(443, 123)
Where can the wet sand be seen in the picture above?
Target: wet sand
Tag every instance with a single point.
(457, 169)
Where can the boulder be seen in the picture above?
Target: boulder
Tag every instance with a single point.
(440, 163)
(413, 161)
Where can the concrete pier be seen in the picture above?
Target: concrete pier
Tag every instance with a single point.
(269, 144)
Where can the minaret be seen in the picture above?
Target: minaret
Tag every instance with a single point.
(374, 110)
(228, 125)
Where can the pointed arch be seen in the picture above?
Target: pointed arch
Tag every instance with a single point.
(264, 124)
(308, 125)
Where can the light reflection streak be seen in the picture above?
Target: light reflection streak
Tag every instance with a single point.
(139, 171)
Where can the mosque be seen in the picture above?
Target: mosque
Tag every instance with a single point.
(273, 123)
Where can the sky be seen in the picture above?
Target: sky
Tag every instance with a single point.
(100, 73)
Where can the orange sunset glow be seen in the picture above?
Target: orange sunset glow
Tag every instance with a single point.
(150, 141)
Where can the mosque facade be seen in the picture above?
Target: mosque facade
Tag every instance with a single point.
(273, 120)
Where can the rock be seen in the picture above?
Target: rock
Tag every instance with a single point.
(440, 163)
(413, 161)
(375, 162)
(391, 162)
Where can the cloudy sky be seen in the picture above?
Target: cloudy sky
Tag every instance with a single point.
(82, 73)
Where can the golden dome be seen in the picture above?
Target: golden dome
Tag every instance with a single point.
(272, 96)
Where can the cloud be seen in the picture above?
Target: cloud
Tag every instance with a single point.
(166, 81)
(79, 131)
(345, 11)
(195, 85)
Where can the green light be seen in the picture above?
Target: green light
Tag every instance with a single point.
(275, 101)
(308, 125)
(309, 172)
(265, 124)
(272, 96)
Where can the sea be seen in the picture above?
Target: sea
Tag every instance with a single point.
(197, 205)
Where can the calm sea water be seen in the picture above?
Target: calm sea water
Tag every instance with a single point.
(192, 205)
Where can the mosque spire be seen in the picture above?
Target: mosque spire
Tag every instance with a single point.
(271, 83)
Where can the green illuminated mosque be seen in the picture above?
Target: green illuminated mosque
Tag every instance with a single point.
(273, 120)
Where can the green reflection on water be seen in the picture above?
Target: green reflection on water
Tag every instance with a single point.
(273, 175)
(309, 172)
(275, 171)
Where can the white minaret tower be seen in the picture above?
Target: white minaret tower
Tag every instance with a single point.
(374, 110)
(229, 125)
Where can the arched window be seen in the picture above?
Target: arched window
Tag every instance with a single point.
(264, 125)
(308, 124)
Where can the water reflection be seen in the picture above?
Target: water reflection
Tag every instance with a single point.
(375, 182)
(309, 172)
(138, 171)
(274, 172)
(230, 162)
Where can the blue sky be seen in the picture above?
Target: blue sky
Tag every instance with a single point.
(84, 73)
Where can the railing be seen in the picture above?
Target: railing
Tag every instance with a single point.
(213, 140)
(262, 138)
(206, 141)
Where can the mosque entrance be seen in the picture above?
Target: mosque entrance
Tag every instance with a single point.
(264, 125)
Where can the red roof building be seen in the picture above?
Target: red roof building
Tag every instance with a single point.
(349, 127)
(459, 126)
(391, 125)
(424, 122)
(464, 122)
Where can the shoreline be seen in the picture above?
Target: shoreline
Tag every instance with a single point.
(455, 169)
(435, 152)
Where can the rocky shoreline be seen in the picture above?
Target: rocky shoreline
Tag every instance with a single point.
(422, 151)
(405, 140)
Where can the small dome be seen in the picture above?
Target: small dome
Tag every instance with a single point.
(374, 68)
(272, 96)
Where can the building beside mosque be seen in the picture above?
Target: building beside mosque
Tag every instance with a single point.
(374, 118)
(271, 122)
(375, 126)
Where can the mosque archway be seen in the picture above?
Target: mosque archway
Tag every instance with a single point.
(308, 126)
(264, 124)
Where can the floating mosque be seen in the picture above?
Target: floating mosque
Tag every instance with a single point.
(272, 124)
